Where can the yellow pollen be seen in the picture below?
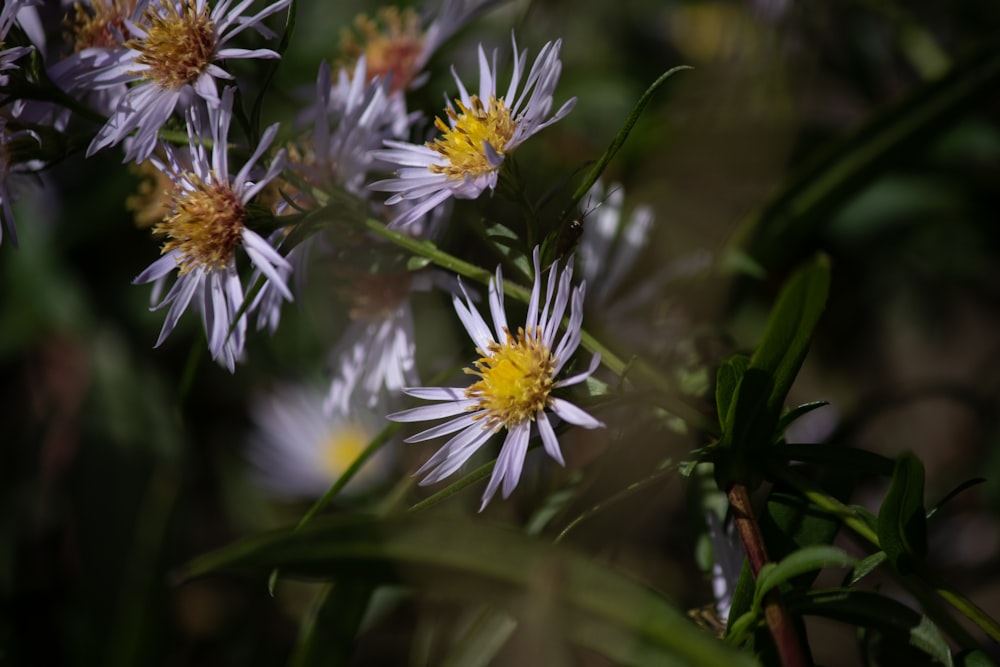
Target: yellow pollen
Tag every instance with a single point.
(392, 43)
(342, 448)
(179, 44)
(205, 224)
(515, 379)
(462, 144)
(93, 26)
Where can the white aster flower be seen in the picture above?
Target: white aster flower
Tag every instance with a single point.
(169, 60)
(466, 159)
(206, 224)
(517, 377)
(299, 449)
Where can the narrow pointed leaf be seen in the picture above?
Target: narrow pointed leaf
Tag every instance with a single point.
(902, 520)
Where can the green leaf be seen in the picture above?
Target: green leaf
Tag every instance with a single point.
(790, 523)
(786, 419)
(474, 560)
(800, 212)
(967, 484)
(868, 609)
(751, 419)
(790, 328)
(327, 634)
(804, 560)
(866, 566)
(902, 520)
(850, 459)
(974, 658)
(480, 644)
(727, 379)
(622, 135)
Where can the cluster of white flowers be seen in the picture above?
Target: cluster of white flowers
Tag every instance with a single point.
(144, 68)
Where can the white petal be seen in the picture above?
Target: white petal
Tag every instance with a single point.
(572, 414)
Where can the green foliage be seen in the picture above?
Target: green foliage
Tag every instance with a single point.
(473, 560)
(902, 520)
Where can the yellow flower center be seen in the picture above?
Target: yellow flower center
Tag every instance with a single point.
(205, 224)
(462, 144)
(515, 379)
(392, 43)
(93, 26)
(342, 448)
(179, 44)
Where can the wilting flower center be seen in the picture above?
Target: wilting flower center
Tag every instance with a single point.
(392, 44)
(100, 25)
(342, 448)
(206, 225)
(462, 144)
(179, 43)
(515, 379)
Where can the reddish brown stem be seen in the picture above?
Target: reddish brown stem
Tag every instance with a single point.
(779, 621)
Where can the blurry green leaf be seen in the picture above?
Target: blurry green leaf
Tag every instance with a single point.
(327, 634)
(804, 560)
(789, 417)
(726, 381)
(474, 560)
(873, 610)
(902, 520)
(747, 432)
(968, 484)
(480, 644)
(866, 566)
(975, 658)
(799, 212)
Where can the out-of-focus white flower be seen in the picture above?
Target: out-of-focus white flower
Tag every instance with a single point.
(398, 46)
(466, 159)
(169, 59)
(299, 449)
(517, 374)
(206, 225)
(608, 248)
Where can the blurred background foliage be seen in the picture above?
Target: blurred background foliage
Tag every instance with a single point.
(120, 462)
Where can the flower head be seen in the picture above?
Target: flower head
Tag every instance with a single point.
(517, 376)
(396, 43)
(480, 132)
(205, 226)
(299, 449)
(169, 58)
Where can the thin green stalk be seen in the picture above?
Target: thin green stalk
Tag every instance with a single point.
(376, 443)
